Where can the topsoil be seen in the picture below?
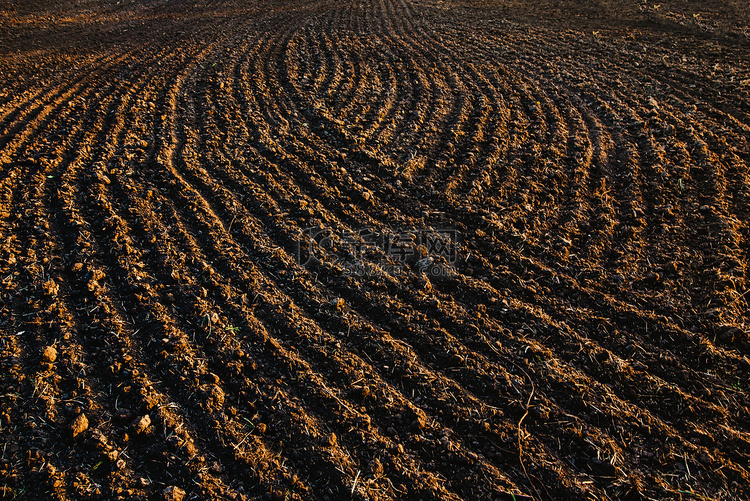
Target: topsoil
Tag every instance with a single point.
(376, 249)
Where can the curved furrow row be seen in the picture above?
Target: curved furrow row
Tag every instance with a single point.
(567, 288)
(322, 305)
(176, 154)
(42, 116)
(546, 355)
(296, 294)
(22, 162)
(461, 106)
(17, 112)
(197, 178)
(36, 255)
(186, 166)
(238, 223)
(657, 151)
(675, 119)
(72, 348)
(383, 112)
(574, 151)
(521, 217)
(94, 139)
(233, 255)
(121, 260)
(466, 125)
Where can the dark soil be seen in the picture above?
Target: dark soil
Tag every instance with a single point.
(377, 250)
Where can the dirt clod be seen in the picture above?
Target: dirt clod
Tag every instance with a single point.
(51, 288)
(141, 424)
(79, 425)
(173, 493)
(375, 468)
(331, 439)
(49, 355)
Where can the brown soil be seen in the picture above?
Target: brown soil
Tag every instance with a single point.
(579, 330)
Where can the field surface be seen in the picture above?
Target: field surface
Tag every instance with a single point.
(374, 250)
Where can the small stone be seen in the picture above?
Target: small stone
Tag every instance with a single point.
(173, 493)
(79, 425)
(216, 396)
(49, 355)
(261, 427)
(141, 424)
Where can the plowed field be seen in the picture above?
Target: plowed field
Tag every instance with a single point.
(377, 249)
